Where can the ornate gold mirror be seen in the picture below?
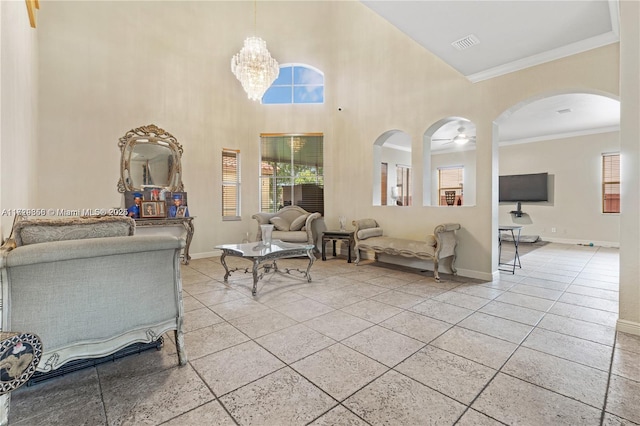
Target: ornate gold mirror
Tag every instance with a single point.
(150, 158)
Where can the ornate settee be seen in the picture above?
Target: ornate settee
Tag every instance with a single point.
(441, 244)
(292, 224)
(88, 287)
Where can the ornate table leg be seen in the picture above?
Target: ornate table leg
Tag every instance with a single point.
(256, 262)
(226, 275)
(190, 228)
(311, 259)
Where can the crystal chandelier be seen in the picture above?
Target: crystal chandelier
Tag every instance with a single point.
(254, 67)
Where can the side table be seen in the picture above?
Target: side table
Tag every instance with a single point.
(335, 236)
(516, 241)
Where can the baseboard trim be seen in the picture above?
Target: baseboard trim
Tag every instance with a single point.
(206, 254)
(629, 327)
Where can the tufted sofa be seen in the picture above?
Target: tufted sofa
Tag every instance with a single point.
(292, 224)
(88, 287)
(441, 244)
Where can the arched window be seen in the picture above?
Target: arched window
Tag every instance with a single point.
(296, 84)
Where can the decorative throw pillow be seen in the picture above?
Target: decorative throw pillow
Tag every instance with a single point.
(298, 222)
(369, 232)
(280, 223)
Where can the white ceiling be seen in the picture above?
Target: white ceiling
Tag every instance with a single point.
(514, 35)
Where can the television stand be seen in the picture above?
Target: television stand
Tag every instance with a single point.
(518, 212)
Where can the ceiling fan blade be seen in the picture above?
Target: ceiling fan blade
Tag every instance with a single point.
(439, 140)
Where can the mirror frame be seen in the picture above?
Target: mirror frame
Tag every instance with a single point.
(154, 135)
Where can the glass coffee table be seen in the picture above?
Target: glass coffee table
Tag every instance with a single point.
(264, 258)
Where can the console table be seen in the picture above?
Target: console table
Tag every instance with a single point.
(183, 224)
(516, 241)
(338, 235)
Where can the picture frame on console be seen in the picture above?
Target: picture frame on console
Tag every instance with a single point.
(153, 210)
(177, 204)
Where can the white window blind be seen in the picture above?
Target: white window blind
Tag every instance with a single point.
(450, 186)
(611, 183)
(230, 184)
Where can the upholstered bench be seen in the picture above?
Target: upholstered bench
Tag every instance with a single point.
(435, 247)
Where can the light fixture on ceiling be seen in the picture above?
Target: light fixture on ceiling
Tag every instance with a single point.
(254, 66)
(461, 138)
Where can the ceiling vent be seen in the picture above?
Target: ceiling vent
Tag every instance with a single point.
(564, 111)
(466, 42)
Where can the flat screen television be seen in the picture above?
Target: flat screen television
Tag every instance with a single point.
(528, 187)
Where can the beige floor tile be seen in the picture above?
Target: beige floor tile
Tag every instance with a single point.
(372, 311)
(611, 420)
(626, 364)
(339, 298)
(584, 313)
(303, 310)
(268, 401)
(383, 345)
(479, 291)
(419, 327)
(199, 318)
(512, 312)
(501, 328)
(441, 311)
(590, 302)
(623, 399)
(531, 302)
(475, 346)
(339, 416)
(399, 299)
(190, 303)
(571, 348)
(421, 289)
(397, 399)
(541, 292)
(339, 370)
(237, 308)
(210, 414)
(294, 343)
(155, 398)
(53, 397)
(513, 401)
(584, 330)
(262, 322)
(338, 325)
(474, 418)
(628, 342)
(212, 339)
(217, 296)
(594, 292)
(461, 299)
(571, 379)
(231, 368)
(453, 375)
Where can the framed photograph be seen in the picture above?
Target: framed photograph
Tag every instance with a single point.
(177, 205)
(181, 211)
(153, 210)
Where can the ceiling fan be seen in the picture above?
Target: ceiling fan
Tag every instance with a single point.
(461, 138)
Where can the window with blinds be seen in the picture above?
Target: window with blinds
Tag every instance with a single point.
(230, 184)
(450, 186)
(291, 172)
(610, 183)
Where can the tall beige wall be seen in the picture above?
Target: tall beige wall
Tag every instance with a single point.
(630, 164)
(18, 112)
(106, 67)
(574, 208)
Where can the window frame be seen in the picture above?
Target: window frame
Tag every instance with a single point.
(441, 189)
(294, 85)
(270, 183)
(609, 181)
(235, 153)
